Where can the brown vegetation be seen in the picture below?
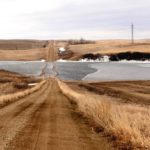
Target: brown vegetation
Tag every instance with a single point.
(128, 125)
(7, 76)
(37, 50)
(22, 44)
(23, 55)
(13, 86)
(106, 47)
(136, 92)
(9, 98)
(23, 50)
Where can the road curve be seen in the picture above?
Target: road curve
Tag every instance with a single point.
(45, 120)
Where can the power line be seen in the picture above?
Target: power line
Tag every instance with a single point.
(132, 33)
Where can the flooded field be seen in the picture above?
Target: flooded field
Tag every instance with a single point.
(95, 71)
(90, 71)
(113, 71)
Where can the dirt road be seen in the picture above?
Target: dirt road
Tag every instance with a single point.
(45, 120)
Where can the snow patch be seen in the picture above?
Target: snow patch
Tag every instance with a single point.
(43, 60)
(102, 59)
(62, 49)
(32, 84)
(133, 61)
(61, 60)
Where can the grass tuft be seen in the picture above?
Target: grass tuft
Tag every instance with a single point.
(128, 125)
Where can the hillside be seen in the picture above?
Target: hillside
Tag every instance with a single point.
(21, 44)
(109, 47)
(22, 50)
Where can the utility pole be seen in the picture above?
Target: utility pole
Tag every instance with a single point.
(132, 33)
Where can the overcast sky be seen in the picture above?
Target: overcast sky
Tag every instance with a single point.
(62, 19)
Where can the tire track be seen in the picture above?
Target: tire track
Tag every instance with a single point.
(15, 116)
(53, 126)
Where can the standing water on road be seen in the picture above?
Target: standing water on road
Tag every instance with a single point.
(90, 71)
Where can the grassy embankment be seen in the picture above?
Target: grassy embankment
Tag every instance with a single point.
(9, 98)
(128, 125)
(14, 86)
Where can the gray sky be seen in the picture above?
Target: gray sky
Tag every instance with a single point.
(59, 19)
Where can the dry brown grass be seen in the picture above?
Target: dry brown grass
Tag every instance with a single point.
(127, 124)
(23, 50)
(14, 86)
(110, 47)
(9, 98)
(137, 92)
(21, 44)
(23, 55)
(7, 76)
(36, 50)
(13, 82)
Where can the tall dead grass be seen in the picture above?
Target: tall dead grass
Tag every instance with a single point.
(5, 99)
(127, 124)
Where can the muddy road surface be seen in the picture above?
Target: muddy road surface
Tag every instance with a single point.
(45, 120)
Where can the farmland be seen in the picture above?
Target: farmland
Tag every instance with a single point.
(49, 113)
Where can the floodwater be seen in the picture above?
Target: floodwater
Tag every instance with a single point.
(90, 71)
(114, 71)
(27, 68)
(74, 70)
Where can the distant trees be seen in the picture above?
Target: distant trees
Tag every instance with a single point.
(80, 41)
(130, 56)
(120, 56)
(91, 56)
